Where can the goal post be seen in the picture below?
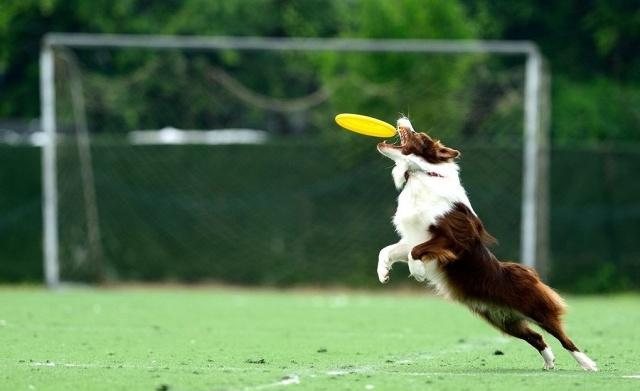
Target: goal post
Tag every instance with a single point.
(49, 183)
(535, 100)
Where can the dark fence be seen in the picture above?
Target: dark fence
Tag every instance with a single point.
(290, 213)
(595, 218)
(20, 214)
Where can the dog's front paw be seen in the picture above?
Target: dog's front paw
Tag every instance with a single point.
(383, 266)
(383, 274)
(417, 270)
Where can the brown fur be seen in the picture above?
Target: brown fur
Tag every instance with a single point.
(505, 294)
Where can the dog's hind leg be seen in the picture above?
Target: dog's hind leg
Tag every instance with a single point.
(554, 327)
(520, 329)
(514, 325)
(437, 248)
(429, 254)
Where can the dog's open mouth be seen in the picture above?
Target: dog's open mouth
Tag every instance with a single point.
(403, 137)
(404, 134)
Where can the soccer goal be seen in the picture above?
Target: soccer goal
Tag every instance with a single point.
(217, 158)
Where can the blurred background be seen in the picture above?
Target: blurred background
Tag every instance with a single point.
(226, 166)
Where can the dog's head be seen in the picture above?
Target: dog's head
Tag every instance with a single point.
(416, 144)
(416, 152)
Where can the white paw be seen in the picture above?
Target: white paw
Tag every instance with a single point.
(383, 269)
(417, 270)
(585, 362)
(592, 367)
(549, 358)
(383, 274)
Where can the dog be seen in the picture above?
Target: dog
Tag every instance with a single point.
(444, 243)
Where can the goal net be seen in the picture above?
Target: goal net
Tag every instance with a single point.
(217, 159)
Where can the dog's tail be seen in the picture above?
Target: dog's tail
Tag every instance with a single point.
(555, 300)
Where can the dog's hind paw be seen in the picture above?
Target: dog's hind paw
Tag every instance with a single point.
(417, 270)
(585, 362)
(549, 359)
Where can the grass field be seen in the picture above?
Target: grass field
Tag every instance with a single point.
(228, 339)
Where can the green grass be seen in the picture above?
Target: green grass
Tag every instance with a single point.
(221, 339)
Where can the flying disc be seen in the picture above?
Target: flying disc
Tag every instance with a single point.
(365, 125)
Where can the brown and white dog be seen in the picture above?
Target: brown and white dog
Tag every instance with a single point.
(444, 242)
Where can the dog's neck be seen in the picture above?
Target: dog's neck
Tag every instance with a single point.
(429, 173)
(405, 168)
(408, 174)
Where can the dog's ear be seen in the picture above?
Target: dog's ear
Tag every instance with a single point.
(446, 153)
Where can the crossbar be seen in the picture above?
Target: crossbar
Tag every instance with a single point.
(281, 44)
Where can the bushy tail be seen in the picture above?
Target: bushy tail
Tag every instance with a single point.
(556, 300)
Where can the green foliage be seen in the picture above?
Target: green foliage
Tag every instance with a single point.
(140, 90)
(423, 80)
(595, 111)
(23, 23)
(592, 47)
(587, 43)
(407, 19)
(582, 38)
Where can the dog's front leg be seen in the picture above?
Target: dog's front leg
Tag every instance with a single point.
(390, 255)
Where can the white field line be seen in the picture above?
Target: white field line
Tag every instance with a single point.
(377, 368)
(52, 364)
(151, 329)
(497, 373)
(293, 379)
(336, 372)
(286, 381)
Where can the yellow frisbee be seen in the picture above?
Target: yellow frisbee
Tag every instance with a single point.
(365, 125)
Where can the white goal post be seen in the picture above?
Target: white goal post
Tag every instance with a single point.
(533, 230)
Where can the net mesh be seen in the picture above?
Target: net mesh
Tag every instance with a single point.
(300, 201)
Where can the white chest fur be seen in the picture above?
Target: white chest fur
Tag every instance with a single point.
(418, 208)
(422, 202)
